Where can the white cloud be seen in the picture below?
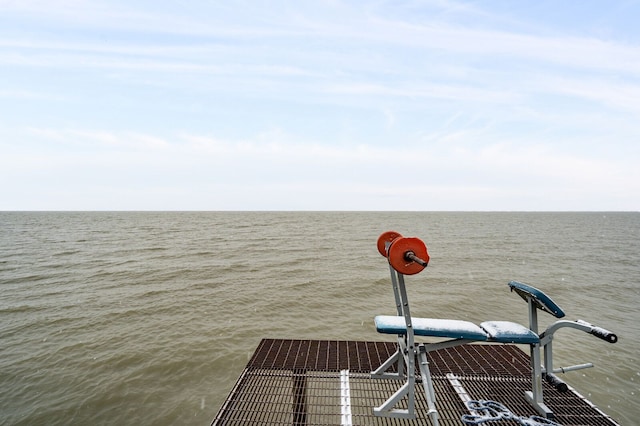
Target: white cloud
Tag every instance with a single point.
(277, 165)
(352, 104)
(28, 95)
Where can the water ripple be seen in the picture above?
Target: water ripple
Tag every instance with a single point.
(148, 318)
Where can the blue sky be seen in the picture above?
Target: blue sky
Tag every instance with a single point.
(319, 105)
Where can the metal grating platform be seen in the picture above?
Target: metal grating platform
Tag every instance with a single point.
(301, 382)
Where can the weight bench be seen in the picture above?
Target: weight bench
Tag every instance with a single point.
(409, 256)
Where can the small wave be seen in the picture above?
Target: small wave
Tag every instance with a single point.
(65, 253)
(20, 309)
(154, 293)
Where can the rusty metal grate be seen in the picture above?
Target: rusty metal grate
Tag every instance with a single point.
(320, 355)
(297, 382)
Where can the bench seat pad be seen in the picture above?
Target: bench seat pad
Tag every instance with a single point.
(454, 329)
(493, 331)
(509, 332)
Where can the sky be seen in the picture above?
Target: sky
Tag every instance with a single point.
(431, 105)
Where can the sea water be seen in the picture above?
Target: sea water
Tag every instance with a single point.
(141, 318)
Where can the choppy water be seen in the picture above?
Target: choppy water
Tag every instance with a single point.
(148, 318)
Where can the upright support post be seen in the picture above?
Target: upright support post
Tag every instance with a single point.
(402, 340)
(427, 384)
(410, 354)
(396, 294)
(535, 396)
(548, 355)
(404, 357)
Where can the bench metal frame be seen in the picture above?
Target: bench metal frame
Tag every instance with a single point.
(404, 358)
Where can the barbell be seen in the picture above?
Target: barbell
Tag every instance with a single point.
(407, 255)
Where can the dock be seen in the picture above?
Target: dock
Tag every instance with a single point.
(328, 382)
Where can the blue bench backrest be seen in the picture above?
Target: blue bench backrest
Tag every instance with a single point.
(539, 299)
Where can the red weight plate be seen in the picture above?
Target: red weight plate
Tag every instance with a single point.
(398, 251)
(384, 238)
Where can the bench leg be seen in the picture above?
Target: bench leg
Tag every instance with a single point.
(399, 359)
(535, 396)
(402, 359)
(395, 359)
(427, 384)
(387, 410)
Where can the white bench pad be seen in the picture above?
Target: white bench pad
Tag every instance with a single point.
(509, 332)
(493, 331)
(454, 329)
